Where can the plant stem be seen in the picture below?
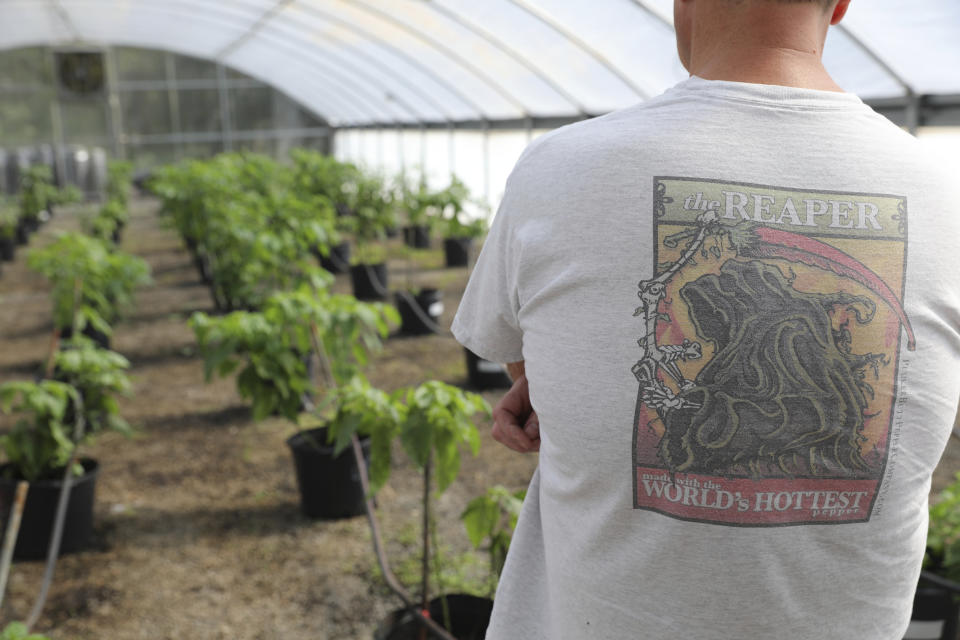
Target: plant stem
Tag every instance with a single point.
(425, 563)
(10, 539)
(388, 575)
(378, 550)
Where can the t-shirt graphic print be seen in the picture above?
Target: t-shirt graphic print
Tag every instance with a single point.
(769, 341)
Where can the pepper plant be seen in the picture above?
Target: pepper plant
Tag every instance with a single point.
(39, 444)
(19, 631)
(89, 281)
(943, 537)
(375, 212)
(99, 376)
(271, 347)
(436, 422)
(251, 230)
(119, 181)
(38, 194)
(490, 520)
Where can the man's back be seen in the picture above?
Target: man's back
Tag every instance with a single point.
(739, 319)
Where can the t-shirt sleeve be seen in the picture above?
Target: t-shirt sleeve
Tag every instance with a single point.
(487, 319)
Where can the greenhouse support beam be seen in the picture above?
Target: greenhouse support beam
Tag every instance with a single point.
(173, 101)
(509, 51)
(877, 58)
(655, 13)
(114, 109)
(400, 79)
(920, 110)
(579, 42)
(260, 22)
(56, 118)
(451, 54)
(396, 52)
(360, 99)
(187, 137)
(60, 13)
(226, 125)
(520, 124)
(163, 85)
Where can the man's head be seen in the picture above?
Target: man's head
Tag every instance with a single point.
(704, 25)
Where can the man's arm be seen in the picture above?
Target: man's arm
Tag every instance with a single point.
(515, 423)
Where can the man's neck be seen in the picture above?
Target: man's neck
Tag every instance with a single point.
(766, 44)
(785, 67)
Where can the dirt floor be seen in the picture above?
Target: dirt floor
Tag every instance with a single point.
(198, 529)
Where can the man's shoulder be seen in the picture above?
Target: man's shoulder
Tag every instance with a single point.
(584, 140)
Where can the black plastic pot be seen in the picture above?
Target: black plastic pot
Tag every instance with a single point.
(329, 485)
(933, 603)
(8, 248)
(41, 508)
(469, 617)
(456, 251)
(338, 261)
(369, 281)
(101, 339)
(23, 232)
(417, 236)
(420, 313)
(483, 374)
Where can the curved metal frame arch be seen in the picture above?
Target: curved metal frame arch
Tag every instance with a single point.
(387, 71)
(873, 55)
(358, 90)
(396, 52)
(452, 55)
(261, 22)
(655, 13)
(582, 44)
(515, 55)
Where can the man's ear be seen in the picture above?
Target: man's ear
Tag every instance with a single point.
(839, 11)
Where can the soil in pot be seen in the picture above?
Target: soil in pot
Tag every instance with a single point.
(8, 247)
(329, 485)
(483, 374)
(420, 313)
(369, 281)
(469, 617)
(40, 511)
(456, 251)
(417, 236)
(338, 261)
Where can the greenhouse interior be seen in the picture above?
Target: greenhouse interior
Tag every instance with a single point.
(261, 216)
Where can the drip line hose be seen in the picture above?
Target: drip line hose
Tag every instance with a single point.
(421, 315)
(378, 286)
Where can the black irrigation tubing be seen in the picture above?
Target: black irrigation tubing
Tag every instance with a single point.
(337, 263)
(56, 536)
(379, 287)
(424, 317)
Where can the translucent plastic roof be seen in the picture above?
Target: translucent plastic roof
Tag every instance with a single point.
(433, 61)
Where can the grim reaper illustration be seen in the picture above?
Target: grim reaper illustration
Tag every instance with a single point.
(783, 393)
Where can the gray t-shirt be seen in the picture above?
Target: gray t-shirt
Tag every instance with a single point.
(739, 309)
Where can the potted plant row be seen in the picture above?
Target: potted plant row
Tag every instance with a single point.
(251, 232)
